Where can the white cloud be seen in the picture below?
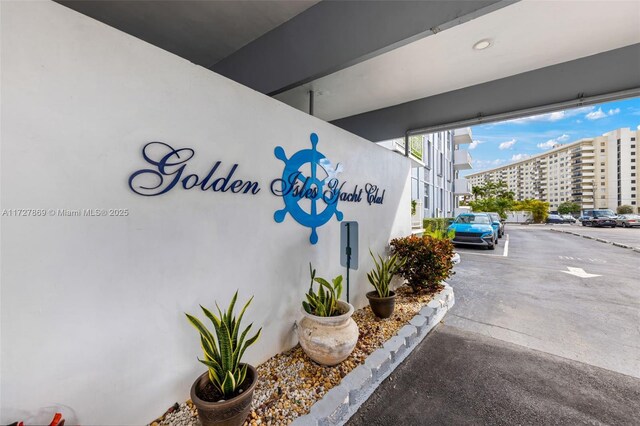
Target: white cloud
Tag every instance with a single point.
(638, 126)
(507, 144)
(518, 157)
(595, 115)
(474, 144)
(614, 111)
(552, 142)
(548, 144)
(552, 116)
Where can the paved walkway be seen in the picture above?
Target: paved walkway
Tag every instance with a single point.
(456, 377)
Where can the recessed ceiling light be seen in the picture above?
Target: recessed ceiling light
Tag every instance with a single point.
(482, 44)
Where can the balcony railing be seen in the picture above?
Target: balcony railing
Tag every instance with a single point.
(416, 146)
(461, 186)
(462, 136)
(461, 159)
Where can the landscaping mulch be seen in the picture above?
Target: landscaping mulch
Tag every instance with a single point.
(290, 383)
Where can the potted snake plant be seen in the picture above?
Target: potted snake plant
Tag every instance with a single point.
(223, 394)
(382, 300)
(327, 333)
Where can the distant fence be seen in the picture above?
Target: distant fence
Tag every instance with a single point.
(519, 217)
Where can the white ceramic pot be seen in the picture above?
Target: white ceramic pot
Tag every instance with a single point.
(328, 340)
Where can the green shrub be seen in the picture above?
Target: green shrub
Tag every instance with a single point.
(428, 260)
(441, 234)
(436, 223)
(539, 209)
(223, 353)
(624, 209)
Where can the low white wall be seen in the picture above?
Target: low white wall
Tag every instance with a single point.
(93, 307)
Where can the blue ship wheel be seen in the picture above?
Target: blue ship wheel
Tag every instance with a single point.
(313, 219)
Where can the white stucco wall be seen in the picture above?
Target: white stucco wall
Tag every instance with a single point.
(92, 307)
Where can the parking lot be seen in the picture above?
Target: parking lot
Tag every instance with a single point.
(558, 293)
(626, 236)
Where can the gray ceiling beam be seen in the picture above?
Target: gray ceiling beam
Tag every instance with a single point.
(333, 35)
(614, 71)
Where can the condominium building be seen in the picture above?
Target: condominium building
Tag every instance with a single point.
(435, 181)
(597, 172)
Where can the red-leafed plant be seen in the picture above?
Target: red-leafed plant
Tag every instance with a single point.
(428, 260)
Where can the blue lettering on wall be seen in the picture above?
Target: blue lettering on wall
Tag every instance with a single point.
(169, 168)
(311, 200)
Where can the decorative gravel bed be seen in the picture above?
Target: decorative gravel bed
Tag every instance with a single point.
(290, 383)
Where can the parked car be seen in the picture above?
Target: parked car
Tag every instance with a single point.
(628, 220)
(567, 218)
(555, 218)
(495, 217)
(474, 229)
(599, 217)
(582, 218)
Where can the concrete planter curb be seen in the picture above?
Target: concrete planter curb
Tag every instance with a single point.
(342, 401)
(601, 240)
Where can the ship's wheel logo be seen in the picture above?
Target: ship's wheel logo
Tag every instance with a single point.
(308, 178)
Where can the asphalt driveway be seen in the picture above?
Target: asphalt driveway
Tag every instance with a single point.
(456, 377)
(544, 332)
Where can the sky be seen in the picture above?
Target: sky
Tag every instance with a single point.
(501, 143)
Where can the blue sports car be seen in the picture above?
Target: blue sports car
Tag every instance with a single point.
(474, 229)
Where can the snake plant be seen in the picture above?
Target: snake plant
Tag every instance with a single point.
(385, 269)
(223, 353)
(325, 302)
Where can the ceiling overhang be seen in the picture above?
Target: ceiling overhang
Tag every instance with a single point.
(382, 68)
(578, 82)
(333, 35)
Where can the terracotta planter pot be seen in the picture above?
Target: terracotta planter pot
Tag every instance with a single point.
(232, 412)
(328, 340)
(382, 307)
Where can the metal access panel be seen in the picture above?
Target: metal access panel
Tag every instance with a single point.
(349, 240)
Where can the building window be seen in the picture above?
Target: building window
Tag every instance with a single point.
(441, 164)
(429, 153)
(601, 170)
(633, 146)
(602, 150)
(426, 198)
(633, 203)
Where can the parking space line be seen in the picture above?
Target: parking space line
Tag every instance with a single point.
(478, 254)
(506, 247)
